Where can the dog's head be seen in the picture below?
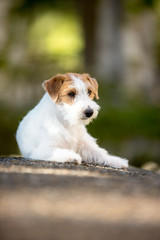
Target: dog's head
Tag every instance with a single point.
(74, 93)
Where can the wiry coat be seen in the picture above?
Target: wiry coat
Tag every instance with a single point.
(55, 129)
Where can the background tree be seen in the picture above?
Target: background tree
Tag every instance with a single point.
(115, 41)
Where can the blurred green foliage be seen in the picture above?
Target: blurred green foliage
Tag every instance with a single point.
(122, 124)
(51, 40)
(56, 34)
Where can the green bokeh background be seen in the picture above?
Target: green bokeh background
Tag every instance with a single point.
(43, 38)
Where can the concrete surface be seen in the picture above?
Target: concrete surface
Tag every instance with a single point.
(48, 200)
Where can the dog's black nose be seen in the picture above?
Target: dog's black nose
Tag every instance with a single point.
(88, 112)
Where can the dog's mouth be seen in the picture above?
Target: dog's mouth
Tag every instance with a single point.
(84, 118)
(87, 118)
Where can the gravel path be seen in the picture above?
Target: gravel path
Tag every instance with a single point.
(48, 200)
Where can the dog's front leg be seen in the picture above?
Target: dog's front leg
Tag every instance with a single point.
(55, 154)
(92, 153)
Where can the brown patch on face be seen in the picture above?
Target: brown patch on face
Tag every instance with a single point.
(59, 90)
(91, 82)
(93, 85)
(67, 94)
(60, 87)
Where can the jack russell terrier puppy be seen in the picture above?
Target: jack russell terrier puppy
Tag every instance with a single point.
(55, 129)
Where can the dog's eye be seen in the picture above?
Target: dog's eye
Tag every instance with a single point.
(72, 94)
(89, 92)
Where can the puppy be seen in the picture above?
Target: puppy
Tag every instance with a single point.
(55, 129)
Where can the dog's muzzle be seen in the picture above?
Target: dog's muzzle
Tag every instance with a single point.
(88, 112)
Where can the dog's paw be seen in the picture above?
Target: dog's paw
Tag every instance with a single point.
(116, 162)
(65, 155)
(75, 157)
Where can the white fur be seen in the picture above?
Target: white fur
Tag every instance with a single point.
(56, 132)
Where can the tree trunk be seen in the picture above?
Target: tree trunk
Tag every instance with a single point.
(88, 15)
(109, 60)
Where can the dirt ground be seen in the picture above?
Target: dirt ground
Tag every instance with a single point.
(48, 200)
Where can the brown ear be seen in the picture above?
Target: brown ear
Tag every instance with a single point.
(95, 85)
(53, 85)
(93, 82)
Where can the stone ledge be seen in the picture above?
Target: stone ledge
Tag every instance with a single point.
(49, 200)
